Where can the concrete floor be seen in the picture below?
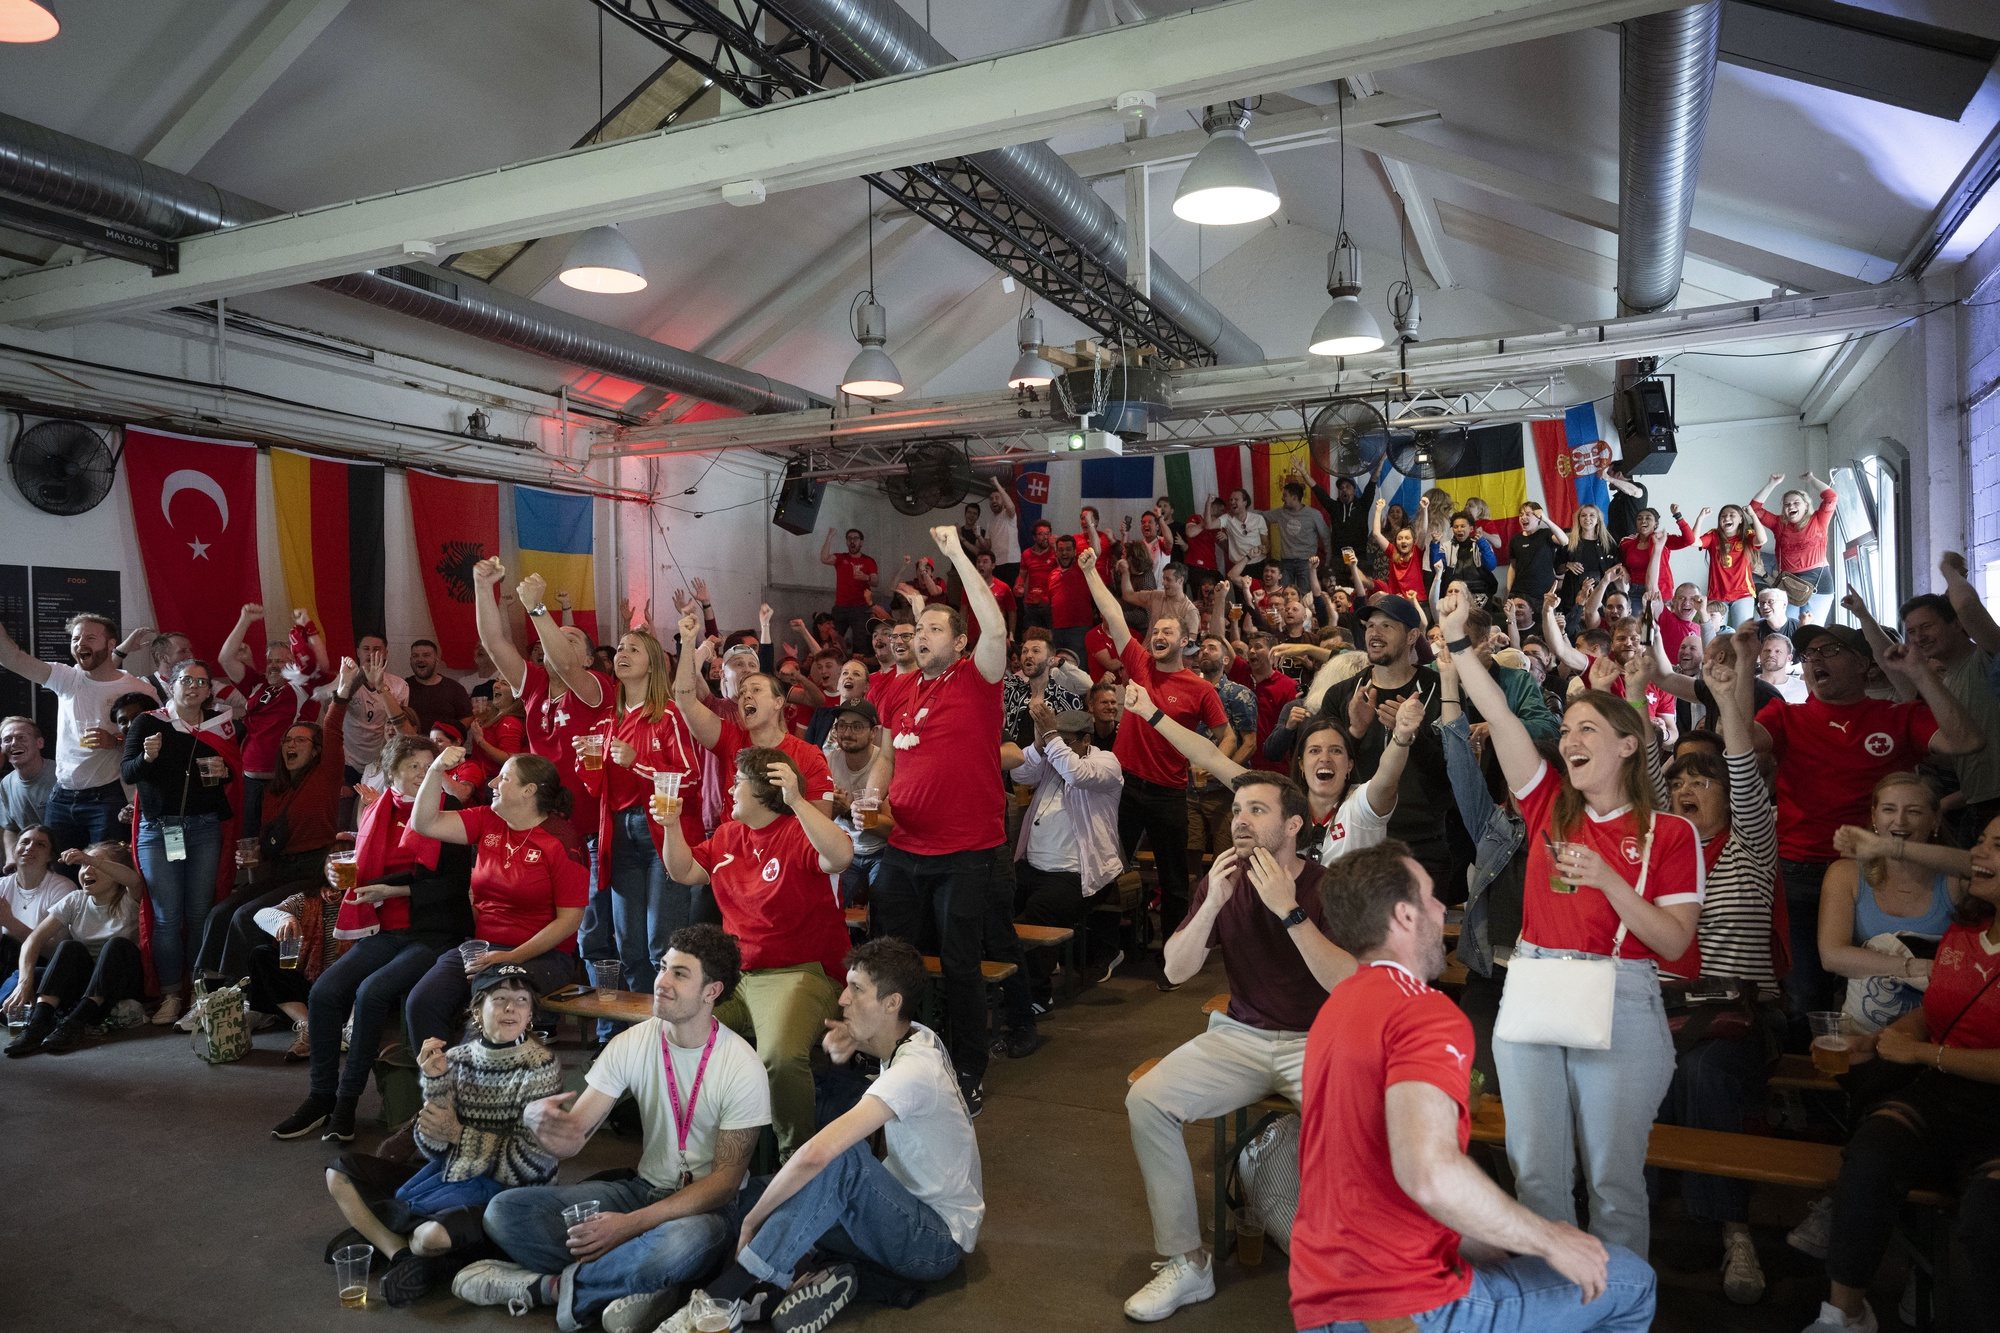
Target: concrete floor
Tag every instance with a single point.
(146, 1195)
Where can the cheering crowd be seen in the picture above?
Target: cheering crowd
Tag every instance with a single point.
(1325, 724)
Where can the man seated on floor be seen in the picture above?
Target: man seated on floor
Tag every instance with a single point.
(915, 1213)
(768, 866)
(1260, 905)
(702, 1100)
(1397, 1228)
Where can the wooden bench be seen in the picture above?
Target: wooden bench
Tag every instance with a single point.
(588, 1002)
(1031, 937)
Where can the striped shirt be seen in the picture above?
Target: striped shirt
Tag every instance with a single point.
(1735, 924)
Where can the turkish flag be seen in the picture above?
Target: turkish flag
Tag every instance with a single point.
(457, 524)
(194, 508)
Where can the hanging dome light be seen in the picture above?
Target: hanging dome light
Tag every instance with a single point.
(1346, 329)
(28, 21)
(871, 374)
(602, 260)
(1032, 370)
(1227, 183)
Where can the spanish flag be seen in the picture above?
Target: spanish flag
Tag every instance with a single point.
(552, 531)
(330, 543)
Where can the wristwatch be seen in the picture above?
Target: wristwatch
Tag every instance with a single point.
(539, 609)
(1295, 917)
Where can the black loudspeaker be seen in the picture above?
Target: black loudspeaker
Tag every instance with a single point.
(1644, 416)
(798, 501)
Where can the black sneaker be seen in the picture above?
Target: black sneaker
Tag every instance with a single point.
(1020, 1043)
(1042, 1008)
(411, 1276)
(974, 1093)
(815, 1299)
(40, 1024)
(309, 1117)
(339, 1123)
(66, 1036)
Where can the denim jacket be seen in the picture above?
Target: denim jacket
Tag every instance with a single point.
(1497, 834)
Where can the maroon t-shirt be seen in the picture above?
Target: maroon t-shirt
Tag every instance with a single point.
(1270, 986)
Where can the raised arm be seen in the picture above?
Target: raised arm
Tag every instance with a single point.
(990, 653)
(1957, 733)
(826, 556)
(1108, 609)
(702, 722)
(20, 661)
(1198, 749)
(232, 647)
(1519, 759)
(1964, 599)
(1558, 638)
(1396, 755)
(507, 659)
(1375, 524)
(428, 817)
(564, 658)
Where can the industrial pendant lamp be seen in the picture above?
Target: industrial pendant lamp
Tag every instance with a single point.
(871, 374)
(1227, 183)
(602, 260)
(1032, 370)
(1346, 329)
(28, 21)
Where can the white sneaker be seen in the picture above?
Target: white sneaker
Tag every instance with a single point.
(191, 1020)
(1178, 1281)
(700, 1305)
(1742, 1278)
(1810, 1236)
(169, 1010)
(1831, 1320)
(638, 1313)
(1906, 1309)
(495, 1282)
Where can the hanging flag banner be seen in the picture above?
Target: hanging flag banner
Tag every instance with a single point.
(194, 511)
(457, 524)
(552, 532)
(330, 541)
(1491, 467)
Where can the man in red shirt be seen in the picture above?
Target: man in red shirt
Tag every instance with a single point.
(1155, 802)
(853, 584)
(941, 771)
(1002, 594)
(1070, 613)
(885, 685)
(1830, 752)
(768, 866)
(1396, 1225)
(1031, 584)
(1273, 689)
(1092, 534)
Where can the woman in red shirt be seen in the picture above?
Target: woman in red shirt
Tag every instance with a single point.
(1637, 551)
(1609, 876)
(1936, 1114)
(499, 731)
(1801, 537)
(1732, 546)
(1408, 562)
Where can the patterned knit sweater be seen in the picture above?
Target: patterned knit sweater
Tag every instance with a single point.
(488, 1086)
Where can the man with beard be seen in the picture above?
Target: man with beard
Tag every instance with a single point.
(1031, 581)
(1070, 614)
(854, 577)
(1273, 690)
(1260, 904)
(851, 760)
(1154, 803)
(434, 698)
(886, 685)
(1214, 661)
(1041, 676)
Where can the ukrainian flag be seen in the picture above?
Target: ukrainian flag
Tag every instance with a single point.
(553, 534)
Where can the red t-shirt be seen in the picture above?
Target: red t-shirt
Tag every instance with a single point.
(850, 579)
(946, 790)
(1830, 756)
(666, 746)
(554, 722)
(1406, 577)
(520, 880)
(1035, 568)
(1070, 606)
(1274, 693)
(1201, 550)
(1106, 547)
(1964, 965)
(775, 899)
(1097, 647)
(1674, 632)
(815, 779)
(271, 711)
(886, 687)
(1001, 594)
(1637, 553)
(1185, 697)
(1585, 920)
(1361, 1248)
(1728, 567)
(1658, 702)
(508, 734)
(1800, 548)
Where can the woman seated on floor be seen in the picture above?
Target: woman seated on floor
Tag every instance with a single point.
(26, 896)
(472, 1138)
(281, 980)
(90, 939)
(1931, 1098)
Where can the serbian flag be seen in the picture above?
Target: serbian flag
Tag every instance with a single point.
(457, 524)
(1571, 456)
(1491, 467)
(552, 531)
(329, 518)
(194, 511)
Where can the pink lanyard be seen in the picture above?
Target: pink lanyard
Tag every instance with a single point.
(684, 1119)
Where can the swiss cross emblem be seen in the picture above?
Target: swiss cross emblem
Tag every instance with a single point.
(533, 856)
(1879, 744)
(772, 870)
(1629, 849)
(490, 840)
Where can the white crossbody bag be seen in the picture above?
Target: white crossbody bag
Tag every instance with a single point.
(1564, 1001)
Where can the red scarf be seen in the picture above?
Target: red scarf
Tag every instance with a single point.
(387, 821)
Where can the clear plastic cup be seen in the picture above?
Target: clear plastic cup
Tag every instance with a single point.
(1249, 1239)
(342, 866)
(350, 1274)
(868, 809)
(591, 753)
(1832, 1045)
(288, 952)
(667, 796)
(581, 1212)
(472, 951)
(249, 852)
(610, 974)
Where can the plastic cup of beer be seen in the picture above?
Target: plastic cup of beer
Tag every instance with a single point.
(581, 1212)
(342, 865)
(288, 953)
(591, 751)
(667, 796)
(610, 974)
(1249, 1239)
(472, 951)
(248, 852)
(350, 1274)
(213, 771)
(1832, 1048)
(868, 808)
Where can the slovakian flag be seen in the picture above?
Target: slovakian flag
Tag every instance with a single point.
(194, 511)
(329, 523)
(457, 524)
(1571, 456)
(552, 532)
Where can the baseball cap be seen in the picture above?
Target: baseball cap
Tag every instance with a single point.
(507, 974)
(1395, 606)
(1845, 635)
(860, 708)
(1073, 720)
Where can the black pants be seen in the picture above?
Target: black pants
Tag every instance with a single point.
(1160, 814)
(938, 905)
(115, 974)
(271, 985)
(1937, 1130)
(1046, 898)
(369, 981)
(852, 622)
(1004, 946)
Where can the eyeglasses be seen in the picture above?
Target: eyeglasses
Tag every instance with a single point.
(1824, 650)
(1691, 784)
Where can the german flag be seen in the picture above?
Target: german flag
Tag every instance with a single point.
(1492, 467)
(330, 543)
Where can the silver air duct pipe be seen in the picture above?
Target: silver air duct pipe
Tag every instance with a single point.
(878, 36)
(56, 170)
(1666, 79)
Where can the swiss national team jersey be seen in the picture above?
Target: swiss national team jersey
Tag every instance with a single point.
(1034, 577)
(946, 791)
(270, 711)
(1361, 1248)
(522, 878)
(1406, 577)
(1584, 920)
(815, 779)
(850, 579)
(775, 899)
(666, 746)
(1830, 756)
(1658, 702)
(885, 689)
(1183, 696)
(1959, 1007)
(1070, 606)
(554, 722)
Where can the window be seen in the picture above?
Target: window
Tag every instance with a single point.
(1867, 536)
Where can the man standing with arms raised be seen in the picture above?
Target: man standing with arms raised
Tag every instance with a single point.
(854, 577)
(941, 772)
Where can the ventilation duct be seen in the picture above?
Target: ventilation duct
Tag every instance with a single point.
(880, 38)
(57, 170)
(1666, 79)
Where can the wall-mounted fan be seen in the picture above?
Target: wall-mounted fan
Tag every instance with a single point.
(63, 468)
(1422, 454)
(1348, 438)
(935, 475)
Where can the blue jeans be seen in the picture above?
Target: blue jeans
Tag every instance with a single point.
(527, 1224)
(1523, 1293)
(1296, 573)
(1716, 1084)
(1739, 611)
(79, 818)
(429, 1194)
(1566, 1105)
(870, 1215)
(647, 906)
(181, 891)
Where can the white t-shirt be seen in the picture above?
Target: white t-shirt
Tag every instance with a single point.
(1003, 538)
(734, 1094)
(1246, 538)
(84, 703)
(367, 727)
(1051, 834)
(90, 924)
(932, 1151)
(1355, 828)
(28, 905)
(1791, 688)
